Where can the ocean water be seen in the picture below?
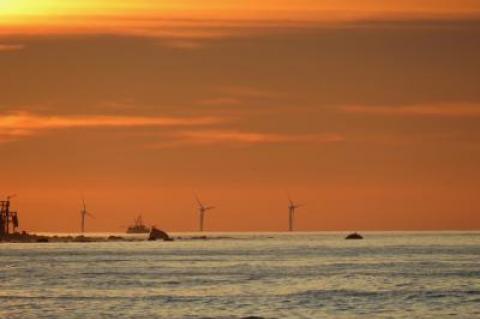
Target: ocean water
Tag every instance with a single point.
(270, 275)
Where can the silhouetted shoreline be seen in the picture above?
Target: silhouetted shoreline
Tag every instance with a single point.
(34, 238)
(25, 237)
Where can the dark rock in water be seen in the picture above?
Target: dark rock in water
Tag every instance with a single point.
(113, 238)
(354, 236)
(81, 239)
(199, 237)
(159, 234)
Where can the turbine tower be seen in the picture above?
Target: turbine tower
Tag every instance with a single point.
(201, 211)
(84, 213)
(291, 213)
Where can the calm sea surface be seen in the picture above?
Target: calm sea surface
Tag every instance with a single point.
(272, 275)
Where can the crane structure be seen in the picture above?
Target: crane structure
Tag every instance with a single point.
(9, 221)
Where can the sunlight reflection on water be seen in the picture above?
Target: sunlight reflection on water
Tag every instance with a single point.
(300, 275)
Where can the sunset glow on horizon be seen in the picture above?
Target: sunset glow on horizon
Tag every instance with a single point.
(367, 112)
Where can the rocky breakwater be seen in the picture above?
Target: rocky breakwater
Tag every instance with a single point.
(157, 234)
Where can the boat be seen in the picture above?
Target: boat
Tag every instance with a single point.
(354, 236)
(138, 227)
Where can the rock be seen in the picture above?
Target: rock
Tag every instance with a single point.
(199, 237)
(81, 239)
(113, 238)
(354, 236)
(159, 234)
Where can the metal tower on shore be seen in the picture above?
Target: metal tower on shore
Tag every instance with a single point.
(8, 219)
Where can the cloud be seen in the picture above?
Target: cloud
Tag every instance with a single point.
(444, 110)
(189, 24)
(208, 19)
(236, 138)
(184, 33)
(11, 47)
(446, 138)
(23, 124)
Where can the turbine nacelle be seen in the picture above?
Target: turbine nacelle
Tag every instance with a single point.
(293, 206)
(205, 208)
(201, 207)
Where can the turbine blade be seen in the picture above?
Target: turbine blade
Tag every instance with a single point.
(210, 207)
(290, 201)
(198, 201)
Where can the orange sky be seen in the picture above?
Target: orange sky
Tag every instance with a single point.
(366, 111)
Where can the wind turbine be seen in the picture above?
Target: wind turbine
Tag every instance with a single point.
(291, 213)
(201, 210)
(84, 213)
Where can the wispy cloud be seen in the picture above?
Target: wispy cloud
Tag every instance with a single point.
(212, 18)
(243, 138)
(23, 124)
(11, 47)
(192, 33)
(201, 130)
(439, 138)
(178, 32)
(446, 110)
